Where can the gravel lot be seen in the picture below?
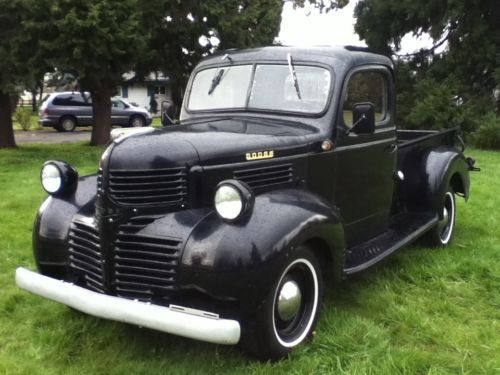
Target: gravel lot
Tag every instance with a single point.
(49, 136)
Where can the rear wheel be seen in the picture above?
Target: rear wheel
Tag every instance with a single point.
(67, 124)
(290, 312)
(442, 233)
(137, 121)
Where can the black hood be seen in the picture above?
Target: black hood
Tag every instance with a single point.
(210, 142)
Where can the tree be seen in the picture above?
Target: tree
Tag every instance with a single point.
(96, 41)
(189, 30)
(468, 67)
(14, 71)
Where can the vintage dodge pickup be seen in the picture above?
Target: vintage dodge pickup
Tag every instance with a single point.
(286, 169)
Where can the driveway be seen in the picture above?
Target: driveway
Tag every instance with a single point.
(49, 136)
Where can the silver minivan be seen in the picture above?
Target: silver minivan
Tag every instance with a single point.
(65, 111)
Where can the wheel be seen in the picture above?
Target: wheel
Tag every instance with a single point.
(137, 121)
(67, 124)
(290, 312)
(442, 233)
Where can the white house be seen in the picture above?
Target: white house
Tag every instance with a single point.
(139, 91)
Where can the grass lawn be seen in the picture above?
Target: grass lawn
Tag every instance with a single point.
(424, 311)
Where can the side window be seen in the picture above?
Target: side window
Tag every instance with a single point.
(115, 103)
(74, 100)
(62, 100)
(367, 87)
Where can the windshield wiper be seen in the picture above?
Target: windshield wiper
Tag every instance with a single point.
(294, 76)
(218, 75)
(215, 81)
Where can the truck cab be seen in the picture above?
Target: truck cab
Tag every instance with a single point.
(286, 170)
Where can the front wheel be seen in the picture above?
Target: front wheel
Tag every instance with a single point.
(442, 233)
(67, 124)
(290, 312)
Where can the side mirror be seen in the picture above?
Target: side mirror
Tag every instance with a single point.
(167, 113)
(363, 117)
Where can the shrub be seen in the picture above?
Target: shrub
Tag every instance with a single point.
(23, 117)
(488, 133)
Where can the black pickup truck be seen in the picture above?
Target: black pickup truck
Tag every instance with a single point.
(286, 169)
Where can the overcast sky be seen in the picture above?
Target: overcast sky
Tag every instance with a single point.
(307, 26)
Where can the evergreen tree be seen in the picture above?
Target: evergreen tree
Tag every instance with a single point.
(460, 83)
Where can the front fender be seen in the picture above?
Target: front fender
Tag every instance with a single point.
(241, 260)
(52, 224)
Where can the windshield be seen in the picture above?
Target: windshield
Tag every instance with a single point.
(261, 87)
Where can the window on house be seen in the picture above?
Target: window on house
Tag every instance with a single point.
(123, 91)
(156, 90)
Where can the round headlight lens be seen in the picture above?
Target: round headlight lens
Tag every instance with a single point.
(52, 179)
(228, 202)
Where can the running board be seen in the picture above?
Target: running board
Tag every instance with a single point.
(406, 228)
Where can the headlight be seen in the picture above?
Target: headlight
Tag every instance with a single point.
(58, 178)
(233, 199)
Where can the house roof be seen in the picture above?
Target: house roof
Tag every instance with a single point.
(158, 78)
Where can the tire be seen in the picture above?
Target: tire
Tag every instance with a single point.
(137, 121)
(66, 124)
(290, 312)
(442, 234)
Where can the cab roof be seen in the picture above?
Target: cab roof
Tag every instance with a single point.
(346, 57)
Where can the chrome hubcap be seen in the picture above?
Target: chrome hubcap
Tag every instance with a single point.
(445, 225)
(289, 300)
(67, 124)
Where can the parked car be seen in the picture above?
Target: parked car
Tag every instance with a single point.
(286, 170)
(65, 111)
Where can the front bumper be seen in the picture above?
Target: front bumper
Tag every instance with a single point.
(176, 320)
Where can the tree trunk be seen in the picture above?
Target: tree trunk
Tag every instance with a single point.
(177, 87)
(14, 101)
(34, 106)
(40, 92)
(6, 131)
(101, 105)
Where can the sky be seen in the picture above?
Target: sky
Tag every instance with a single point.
(307, 26)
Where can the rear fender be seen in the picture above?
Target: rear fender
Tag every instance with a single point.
(444, 167)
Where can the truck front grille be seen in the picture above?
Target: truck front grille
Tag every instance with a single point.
(85, 255)
(148, 187)
(261, 178)
(144, 266)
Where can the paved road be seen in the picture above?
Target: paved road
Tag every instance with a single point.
(48, 136)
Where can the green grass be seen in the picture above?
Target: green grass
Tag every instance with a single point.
(424, 311)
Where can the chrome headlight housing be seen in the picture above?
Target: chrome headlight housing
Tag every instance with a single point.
(58, 178)
(233, 199)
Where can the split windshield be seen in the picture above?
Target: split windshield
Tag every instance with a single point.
(261, 87)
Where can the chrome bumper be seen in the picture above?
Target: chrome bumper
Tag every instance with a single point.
(177, 320)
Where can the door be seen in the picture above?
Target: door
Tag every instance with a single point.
(366, 162)
(119, 113)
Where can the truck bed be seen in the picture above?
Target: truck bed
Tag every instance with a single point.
(409, 138)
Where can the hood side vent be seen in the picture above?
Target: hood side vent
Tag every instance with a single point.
(264, 178)
(148, 187)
